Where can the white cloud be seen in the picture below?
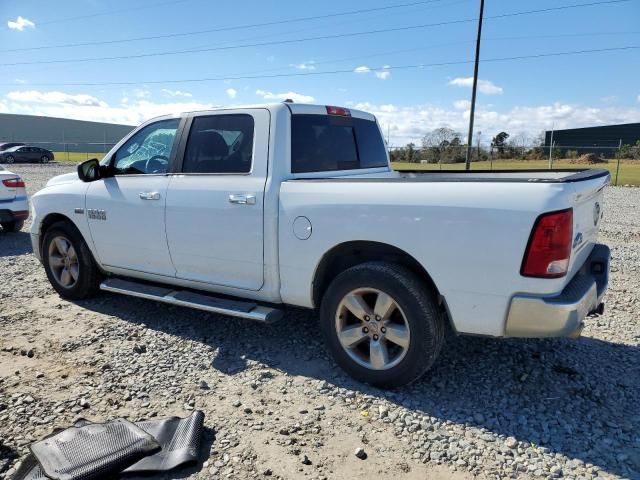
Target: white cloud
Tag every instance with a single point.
(411, 123)
(389, 108)
(310, 65)
(231, 93)
(384, 73)
(20, 24)
(35, 96)
(462, 104)
(176, 93)
(296, 97)
(381, 73)
(87, 107)
(485, 86)
(139, 93)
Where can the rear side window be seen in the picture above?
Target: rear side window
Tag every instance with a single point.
(220, 144)
(322, 143)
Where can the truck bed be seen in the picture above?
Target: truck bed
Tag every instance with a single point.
(509, 176)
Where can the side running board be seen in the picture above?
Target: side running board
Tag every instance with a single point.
(199, 301)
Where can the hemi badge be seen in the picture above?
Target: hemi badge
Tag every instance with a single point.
(78, 210)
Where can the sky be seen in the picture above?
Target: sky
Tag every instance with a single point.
(407, 61)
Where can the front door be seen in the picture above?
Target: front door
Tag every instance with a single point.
(215, 202)
(126, 211)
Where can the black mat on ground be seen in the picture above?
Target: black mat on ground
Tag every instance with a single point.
(93, 451)
(29, 470)
(180, 441)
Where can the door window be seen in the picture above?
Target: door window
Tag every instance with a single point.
(219, 144)
(148, 151)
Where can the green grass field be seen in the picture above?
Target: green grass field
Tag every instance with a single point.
(76, 156)
(629, 169)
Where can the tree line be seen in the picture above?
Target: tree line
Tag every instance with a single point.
(446, 145)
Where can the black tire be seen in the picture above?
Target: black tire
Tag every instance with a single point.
(44, 159)
(88, 282)
(415, 300)
(14, 226)
(10, 159)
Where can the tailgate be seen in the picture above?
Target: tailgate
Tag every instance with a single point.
(6, 193)
(588, 208)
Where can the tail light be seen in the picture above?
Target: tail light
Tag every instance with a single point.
(341, 111)
(14, 183)
(549, 248)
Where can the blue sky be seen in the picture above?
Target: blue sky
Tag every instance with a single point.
(519, 96)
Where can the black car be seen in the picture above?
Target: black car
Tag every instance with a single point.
(26, 153)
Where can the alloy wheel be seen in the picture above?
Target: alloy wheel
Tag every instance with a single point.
(63, 262)
(372, 328)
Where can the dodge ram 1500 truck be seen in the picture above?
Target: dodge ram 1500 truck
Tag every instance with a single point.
(240, 210)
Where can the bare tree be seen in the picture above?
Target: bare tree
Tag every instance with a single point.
(518, 145)
(441, 142)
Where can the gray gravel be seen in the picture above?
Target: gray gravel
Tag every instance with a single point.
(277, 406)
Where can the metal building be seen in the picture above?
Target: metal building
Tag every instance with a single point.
(604, 140)
(61, 134)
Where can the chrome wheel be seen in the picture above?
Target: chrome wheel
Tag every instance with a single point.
(63, 262)
(372, 328)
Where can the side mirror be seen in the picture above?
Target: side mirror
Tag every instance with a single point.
(89, 171)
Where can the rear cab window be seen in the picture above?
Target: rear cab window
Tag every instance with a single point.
(325, 143)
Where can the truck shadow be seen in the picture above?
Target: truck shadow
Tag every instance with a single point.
(569, 397)
(13, 244)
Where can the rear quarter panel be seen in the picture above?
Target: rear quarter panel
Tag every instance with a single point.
(470, 237)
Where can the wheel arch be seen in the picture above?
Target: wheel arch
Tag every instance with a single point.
(53, 218)
(349, 254)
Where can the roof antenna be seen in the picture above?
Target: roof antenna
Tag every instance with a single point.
(288, 100)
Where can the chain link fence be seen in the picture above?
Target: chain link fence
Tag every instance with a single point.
(623, 162)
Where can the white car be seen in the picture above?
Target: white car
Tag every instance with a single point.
(239, 210)
(14, 206)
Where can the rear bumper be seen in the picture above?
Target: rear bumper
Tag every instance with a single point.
(14, 209)
(7, 215)
(562, 315)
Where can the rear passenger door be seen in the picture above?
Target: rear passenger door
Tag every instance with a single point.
(215, 202)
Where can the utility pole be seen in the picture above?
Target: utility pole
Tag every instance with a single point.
(467, 163)
(551, 147)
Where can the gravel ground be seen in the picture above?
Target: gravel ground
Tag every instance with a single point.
(277, 406)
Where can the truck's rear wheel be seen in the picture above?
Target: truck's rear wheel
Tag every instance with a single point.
(381, 324)
(68, 262)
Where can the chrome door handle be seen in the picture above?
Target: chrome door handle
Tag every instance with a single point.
(149, 195)
(242, 199)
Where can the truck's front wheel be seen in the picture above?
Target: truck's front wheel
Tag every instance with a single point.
(382, 324)
(68, 262)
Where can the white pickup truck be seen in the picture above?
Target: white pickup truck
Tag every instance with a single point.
(238, 211)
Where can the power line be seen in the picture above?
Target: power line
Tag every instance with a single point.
(307, 39)
(432, 46)
(223, 29)
(333, 72)
(111, 12)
